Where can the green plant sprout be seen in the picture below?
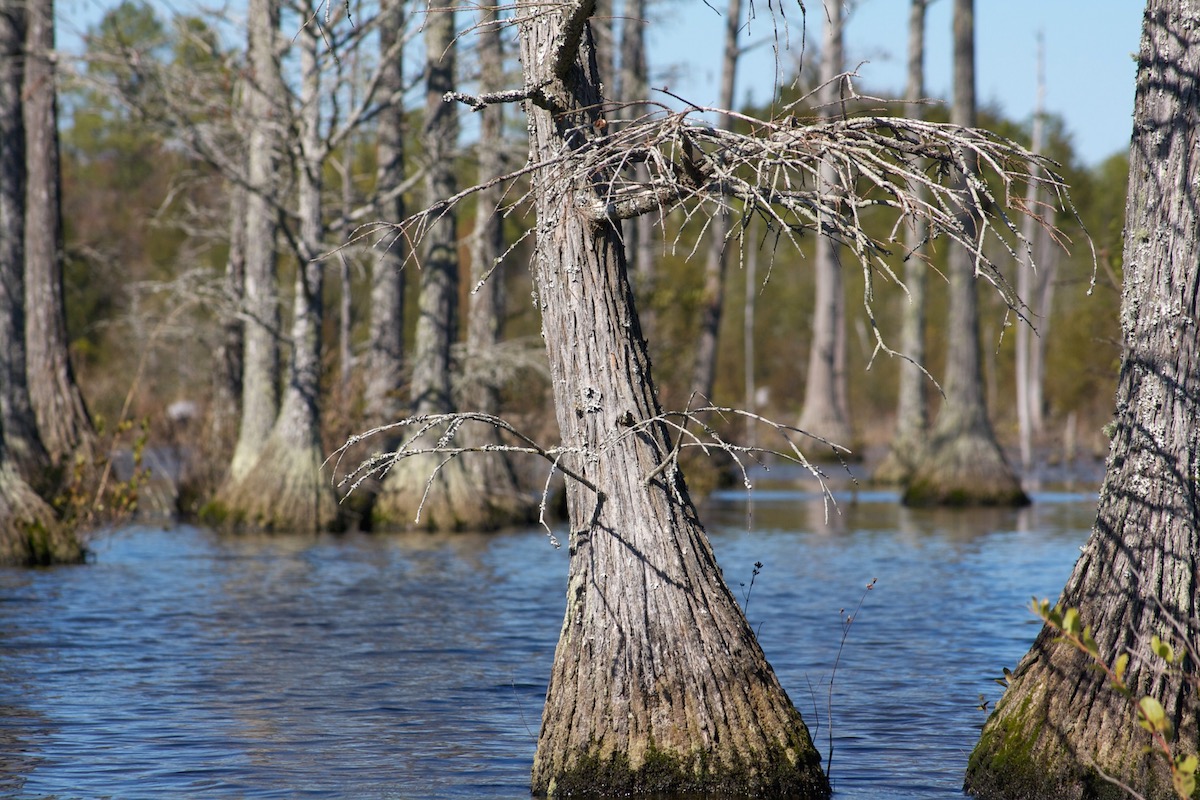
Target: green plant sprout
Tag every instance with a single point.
(1148, 711)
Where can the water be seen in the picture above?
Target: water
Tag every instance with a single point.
(183, 663)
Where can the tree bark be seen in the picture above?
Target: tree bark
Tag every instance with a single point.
(260, 365)
(449, 502)
(385, 347)
(1028, 384)
(658, 683)
(63, 422)
(912, 410)
(826, 411)
(17, 420)
(712, 299)
(492, 474)
(1059, 724)
(963, 464)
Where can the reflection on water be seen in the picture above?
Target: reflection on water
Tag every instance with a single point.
(183, 663)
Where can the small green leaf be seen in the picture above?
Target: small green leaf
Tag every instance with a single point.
(1162, 649)
(1185, 784)
(1151, 715)
(1120, 666)
(1186, 764)
(1070, 621)
(1089, 643)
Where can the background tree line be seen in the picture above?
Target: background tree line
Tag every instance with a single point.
(217, 174)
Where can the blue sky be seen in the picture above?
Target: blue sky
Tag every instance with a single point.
(1089, 44)
(1089, 66)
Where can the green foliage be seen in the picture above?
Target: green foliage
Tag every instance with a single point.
(1148, 711)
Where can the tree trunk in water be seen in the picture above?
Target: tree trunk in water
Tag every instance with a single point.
(62, 416)
(491, 474)
(385, 346)
(1060, 723)
(712, 300)
(826, 412)
(227, 362)
(912, 411)
(963, 465)
(260, 365)
(658, 683)
(285, 490)
(29, 532)
(17, 420)
(1026, 280)
(450, 501)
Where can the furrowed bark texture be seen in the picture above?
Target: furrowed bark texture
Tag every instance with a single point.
(826, 411)
(63, 421)
(1137, 576)
(17, 421)
(260, 365)
(658, 683)
(963, 465)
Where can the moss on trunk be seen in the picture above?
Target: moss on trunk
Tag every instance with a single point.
(30, 533)
(964, 470)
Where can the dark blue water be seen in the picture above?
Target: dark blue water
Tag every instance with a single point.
(186, 664)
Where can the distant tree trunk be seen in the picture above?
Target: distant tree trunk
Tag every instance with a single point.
(227, 361)
(640, 240)
(1027, 378)
(498, 495)
(912, 411)
(712, 301)
(658, 683)
(260, 365)
(385, 343)
(1060, 724)
(285, 490)
(826, 411)
(17, 421)
(450, 502)
(29, 532)
(963, 464)
(62, 417)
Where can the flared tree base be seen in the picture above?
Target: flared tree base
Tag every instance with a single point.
(30, 533)
(422, 493)
(964, 470)
(284, 491)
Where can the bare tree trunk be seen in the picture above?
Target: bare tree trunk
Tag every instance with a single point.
(450, 502)
(227, 362)
(1060, 726)
(912, 411)
(658, 683)
(285, 490)
(1025, 375)
(826, 412)
(963, 464)
(498, 497)
(29, 532)
(385, 346)
(17, 421)
(640, 240)
(62, 417)
(712, 301)
(260, 376)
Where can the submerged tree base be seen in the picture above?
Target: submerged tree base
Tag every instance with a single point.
(792, 772)
(964, 470)
(427, 492)
(30, 533)
(283, 492)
